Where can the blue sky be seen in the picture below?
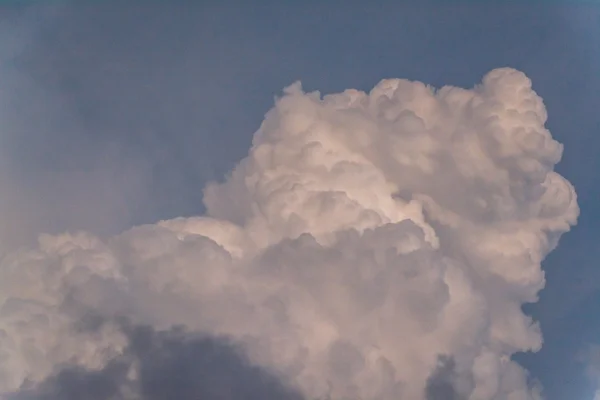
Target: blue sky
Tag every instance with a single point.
(177, 90)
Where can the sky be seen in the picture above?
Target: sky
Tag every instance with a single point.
(114, 115)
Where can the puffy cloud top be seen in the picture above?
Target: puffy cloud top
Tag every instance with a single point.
(370, 246)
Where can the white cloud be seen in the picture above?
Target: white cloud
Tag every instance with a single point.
(365, 236)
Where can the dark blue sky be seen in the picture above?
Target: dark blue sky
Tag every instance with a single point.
(171, 93)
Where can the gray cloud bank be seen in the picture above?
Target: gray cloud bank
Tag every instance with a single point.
(164, 365)
(176, 364)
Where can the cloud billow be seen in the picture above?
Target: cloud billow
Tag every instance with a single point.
(370, 246)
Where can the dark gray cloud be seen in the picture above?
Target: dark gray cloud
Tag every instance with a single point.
(74, 383)
(440, 385)
(172, 364)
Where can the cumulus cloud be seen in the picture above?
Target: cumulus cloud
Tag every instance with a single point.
(370, 246)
